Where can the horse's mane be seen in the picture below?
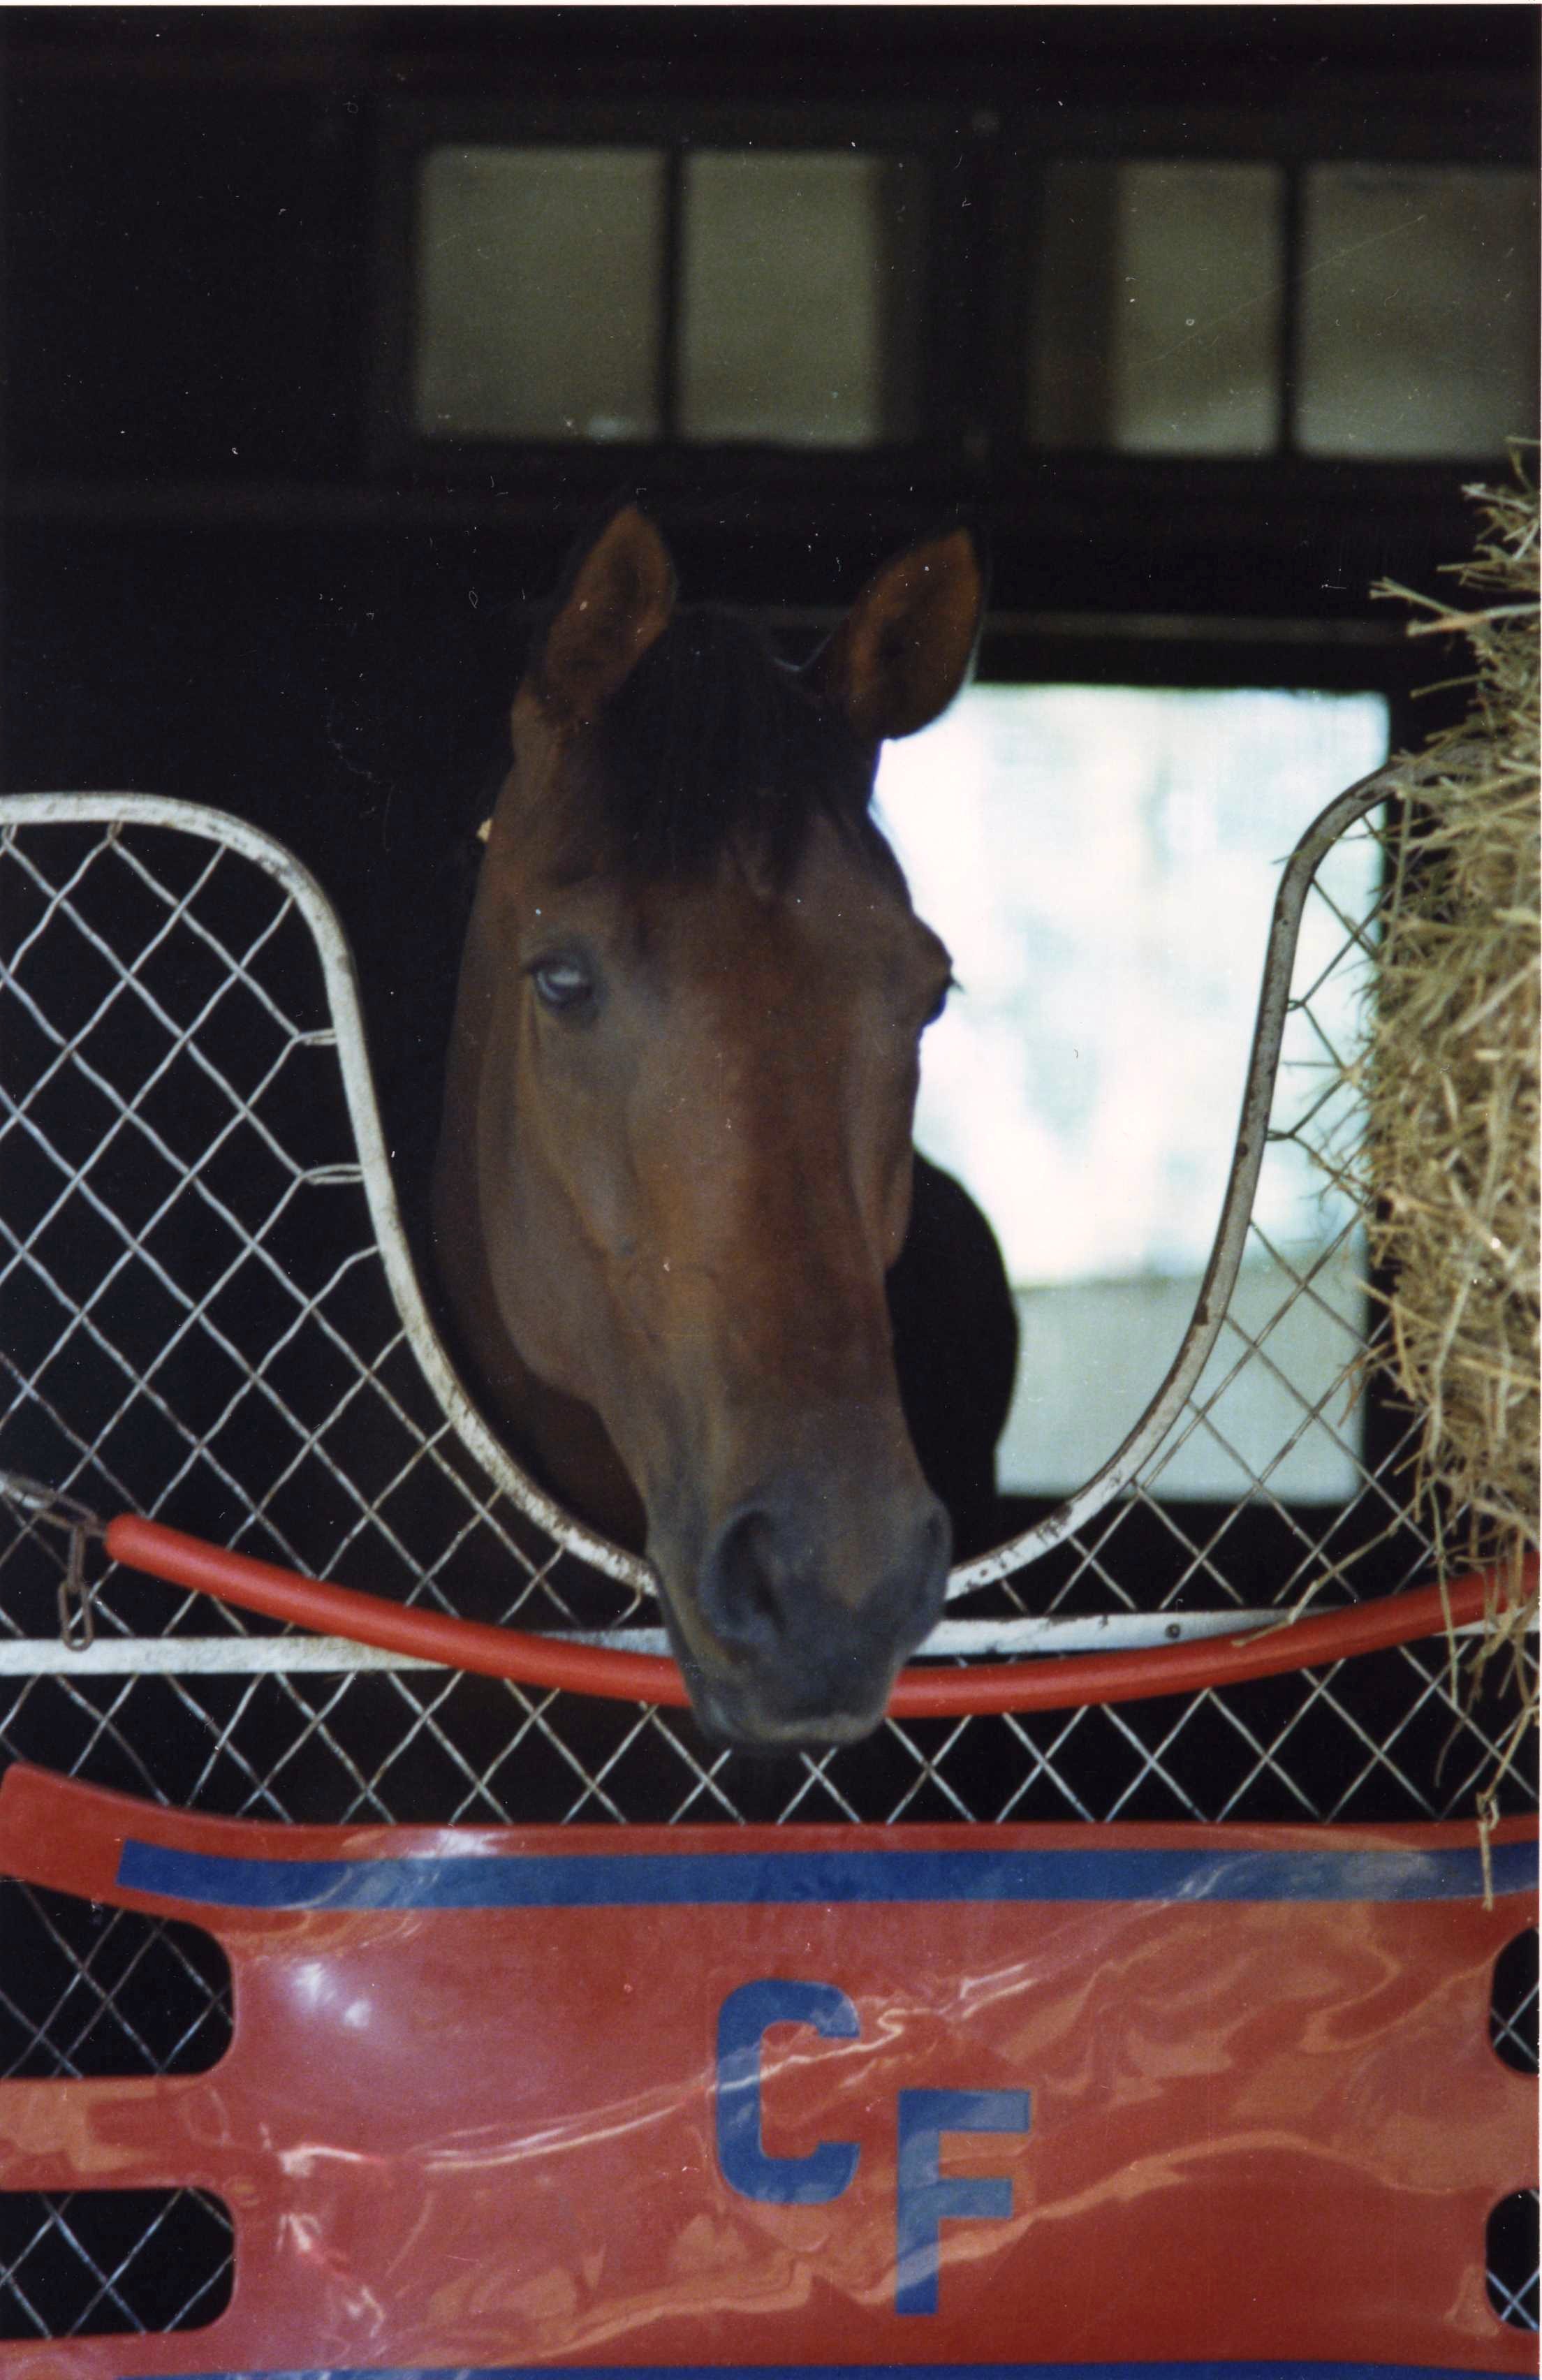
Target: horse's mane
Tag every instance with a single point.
(711, 742)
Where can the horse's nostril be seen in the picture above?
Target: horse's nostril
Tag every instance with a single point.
(764, 1590)
(750, 1587)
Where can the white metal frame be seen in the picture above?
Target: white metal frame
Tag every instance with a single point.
(999, 1637)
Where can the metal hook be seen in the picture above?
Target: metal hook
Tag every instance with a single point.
(77, 1610)
(58, 1511)
(51, 1505)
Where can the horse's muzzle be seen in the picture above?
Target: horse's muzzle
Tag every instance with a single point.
(802, 1622)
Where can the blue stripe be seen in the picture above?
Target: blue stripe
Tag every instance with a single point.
(1209, 2370)
(739, 1880)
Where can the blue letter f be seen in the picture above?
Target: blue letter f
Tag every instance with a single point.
(925, 2195)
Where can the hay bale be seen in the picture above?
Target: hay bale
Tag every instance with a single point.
(1447, 1069)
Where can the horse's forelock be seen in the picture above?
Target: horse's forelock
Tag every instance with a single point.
(712, 742)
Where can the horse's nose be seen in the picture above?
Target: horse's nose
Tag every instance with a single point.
(815, 1621)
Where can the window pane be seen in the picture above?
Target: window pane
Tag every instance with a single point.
(539, 273)
(1158, 309)
(1103, 864)
(1418, 310)
(800, 298)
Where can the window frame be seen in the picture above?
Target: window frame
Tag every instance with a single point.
(1289, 139)
(987, 171)
(408, 130)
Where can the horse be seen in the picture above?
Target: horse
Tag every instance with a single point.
(672, 1199)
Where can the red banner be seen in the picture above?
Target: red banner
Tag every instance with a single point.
(1036, 2096)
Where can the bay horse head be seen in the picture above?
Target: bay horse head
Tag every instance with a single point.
(676, 1159)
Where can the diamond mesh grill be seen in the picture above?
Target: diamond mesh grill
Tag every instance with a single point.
(87, 2261)
(1512, 2228)
(199, 1326)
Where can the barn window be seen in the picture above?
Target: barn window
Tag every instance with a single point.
(1157, 326)
(538, 293)
(1215, 308)
(1087, 1079)
(800, 298)
(992, 292)
(717, 296)
(1418, 334)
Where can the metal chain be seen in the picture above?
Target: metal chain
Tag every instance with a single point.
(53, 1509)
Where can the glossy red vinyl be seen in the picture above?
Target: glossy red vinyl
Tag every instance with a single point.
(939, 2096)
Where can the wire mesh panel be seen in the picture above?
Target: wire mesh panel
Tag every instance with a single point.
(96, 2260)
(89, 1991)
(201, 1325)
(1512, 2263)
(1512, 2226)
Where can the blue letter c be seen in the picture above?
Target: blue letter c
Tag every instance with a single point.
(826, 2171)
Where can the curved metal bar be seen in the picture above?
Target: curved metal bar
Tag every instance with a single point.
(380, 1191)
(1397, 776)
(621, 1676)
(236, 1655)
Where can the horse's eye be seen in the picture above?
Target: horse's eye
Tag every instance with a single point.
(562, 984)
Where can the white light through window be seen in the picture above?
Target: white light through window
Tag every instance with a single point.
(1102, 863)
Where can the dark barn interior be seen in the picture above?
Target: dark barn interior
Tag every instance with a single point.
(279, 506)
(242, 563)
(235, 569)
(254, 556)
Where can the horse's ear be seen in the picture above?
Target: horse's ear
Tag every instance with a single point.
(617, 601)
(905, 647)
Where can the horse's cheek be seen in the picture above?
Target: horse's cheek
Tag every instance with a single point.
(882, 1119)
(570, 1194)
(518, 1216)
(593, 1170)
(895, 1227)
